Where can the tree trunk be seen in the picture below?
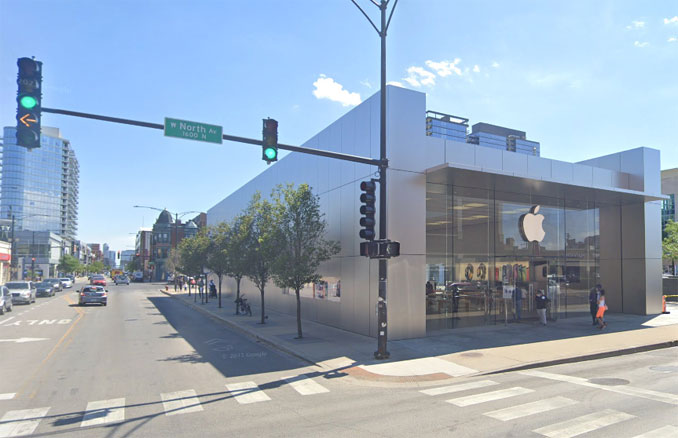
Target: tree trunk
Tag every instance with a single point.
(263, 318)
(237, 296)
(299, 335)
(220, 275)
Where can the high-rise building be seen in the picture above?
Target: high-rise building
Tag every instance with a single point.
(40, 186)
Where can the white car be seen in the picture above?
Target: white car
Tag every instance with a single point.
(66, 282)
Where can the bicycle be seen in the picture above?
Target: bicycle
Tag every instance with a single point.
(243, 305)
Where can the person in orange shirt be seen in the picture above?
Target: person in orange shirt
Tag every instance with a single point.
(601, 311)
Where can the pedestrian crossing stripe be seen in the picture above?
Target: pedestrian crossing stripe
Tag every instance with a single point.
(304, 385)
(21, 423)
(527, 409)
(7, 396)
(104, 411)
(180, 402)
(458, 387)
(662, 432)
(247, 392)
(489, 396)
(584, 424)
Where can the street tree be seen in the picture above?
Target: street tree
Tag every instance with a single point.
(133, 265)
(217, 260)
(302, 243)
(96, 267)
(173, 263)
(193, 253)
(670, 244)
(262, 246)
(68, 264)
(236, 246)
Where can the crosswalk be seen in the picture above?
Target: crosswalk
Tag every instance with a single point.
(15, 423)
(485, 391)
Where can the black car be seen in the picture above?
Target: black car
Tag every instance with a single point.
(45, 289)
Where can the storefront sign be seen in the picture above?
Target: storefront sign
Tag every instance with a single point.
(530, 225)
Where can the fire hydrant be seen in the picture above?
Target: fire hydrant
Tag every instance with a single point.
(166, 288)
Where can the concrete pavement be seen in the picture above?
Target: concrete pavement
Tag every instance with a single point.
(451, 353)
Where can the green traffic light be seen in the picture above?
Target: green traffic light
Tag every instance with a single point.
(28, 102)
(270, 153)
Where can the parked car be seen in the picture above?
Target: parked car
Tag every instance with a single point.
(45, 289)
(5, 300)
(22, 291)
(93, 294)
(122, 279)
(56, 283)
(98, 280)
(66, 282)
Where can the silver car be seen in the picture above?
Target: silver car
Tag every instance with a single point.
(5, 300)
(22, 291)
(66, 282)
(93, 294)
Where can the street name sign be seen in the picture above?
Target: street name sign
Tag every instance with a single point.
(193, 130)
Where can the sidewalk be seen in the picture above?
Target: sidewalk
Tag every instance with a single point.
(450, 353)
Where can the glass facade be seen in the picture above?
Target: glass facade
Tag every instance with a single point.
(40, 187)
(481, 270)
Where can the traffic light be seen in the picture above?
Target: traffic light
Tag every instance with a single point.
(29, 96)
(269, 151)
(367, 210)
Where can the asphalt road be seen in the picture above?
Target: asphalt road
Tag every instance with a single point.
(148, 366)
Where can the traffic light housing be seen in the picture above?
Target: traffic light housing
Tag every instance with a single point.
(367, 209)
(29, 97)
(269, 150)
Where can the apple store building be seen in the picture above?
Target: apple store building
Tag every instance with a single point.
(484, 221)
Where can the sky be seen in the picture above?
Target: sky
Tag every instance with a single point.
(584, 78)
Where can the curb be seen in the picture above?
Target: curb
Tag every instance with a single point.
(242, 331)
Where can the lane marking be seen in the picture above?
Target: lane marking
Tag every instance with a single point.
(104, 411)
(23, 340)
(526, 409)
(5, 320)
(583, 424)
(489, 396)
(247, 392)
(180, 402)
(21, 423)
(459, 387)
(304, 385)
(626, 390)
(662, 432)
(7, 396)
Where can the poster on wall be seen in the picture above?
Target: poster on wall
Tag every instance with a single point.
(473, 271)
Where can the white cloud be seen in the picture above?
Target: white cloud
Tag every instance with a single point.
(396, 83)
(636, 25)
(326, 88)
(641, 45)
(495, 64)
(419, 76)
(672, 40)
(366, 83)
(673, 20)
(445, 68)
(476, 69)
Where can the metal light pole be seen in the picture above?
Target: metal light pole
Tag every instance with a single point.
(382, 329)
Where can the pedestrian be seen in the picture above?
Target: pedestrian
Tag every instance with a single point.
(594, 295)
(601, 310)
(541, 302)
(213, 289)
(518, 298)
(201, 285)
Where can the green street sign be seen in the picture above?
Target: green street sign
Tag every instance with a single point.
(192, 130)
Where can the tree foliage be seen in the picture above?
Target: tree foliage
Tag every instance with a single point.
(193, 253)
(217, 261)
(670, 242)
(173, 262)
(236, 245)
(68, 264)
(301, 240)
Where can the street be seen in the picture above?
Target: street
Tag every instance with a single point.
(148, 366)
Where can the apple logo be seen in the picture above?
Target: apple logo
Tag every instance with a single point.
(531, 225)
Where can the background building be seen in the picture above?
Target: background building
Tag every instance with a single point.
(126, 257)
(46, 247)
(168, 232)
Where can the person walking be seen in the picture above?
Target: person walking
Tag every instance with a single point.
(601, 310)
(541, 302)
(593, 302)
(213, 289)
(201, 285)
(518, 299)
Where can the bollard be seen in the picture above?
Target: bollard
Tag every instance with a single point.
(664, 305)
(166, 288)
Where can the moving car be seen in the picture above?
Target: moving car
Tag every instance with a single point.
(98, 280)
(22, 291)
(45, 289)
(5, 300)
(66, 282)
(93, 294)
(122, 279)
(55, 282)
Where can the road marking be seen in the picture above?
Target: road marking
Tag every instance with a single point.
(5, 320)
(459, 387)
(305, 386)
(180, 402)
(22, 340)
(104, 411)
(530, 408)
(419, 367)
(626, 390)
(21, 423)
(247, 392)
(489, 396)
(583, 424)
(7, 396)
(662, 432)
